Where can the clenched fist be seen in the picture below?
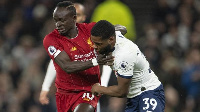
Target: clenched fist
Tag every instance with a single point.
(95, 89)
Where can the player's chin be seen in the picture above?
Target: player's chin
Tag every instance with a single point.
(101, 51)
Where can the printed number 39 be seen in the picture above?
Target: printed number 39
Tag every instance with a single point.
(152, 102)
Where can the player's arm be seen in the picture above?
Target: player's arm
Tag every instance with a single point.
(121, 28)
(120, 90)
(124, 68)
(56, 52)
(63, 60)
(48, 80)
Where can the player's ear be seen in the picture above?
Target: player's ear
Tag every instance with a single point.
(111, 39)
(75, 17)
(84, 18)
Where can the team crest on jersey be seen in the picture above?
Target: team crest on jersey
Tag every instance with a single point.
(88, 96)
(73, 49)
(89, 42)
(52, 50)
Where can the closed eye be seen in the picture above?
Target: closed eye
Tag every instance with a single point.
(98, 44)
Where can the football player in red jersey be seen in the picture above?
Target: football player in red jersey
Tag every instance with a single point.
(75, 60)
(51, 72)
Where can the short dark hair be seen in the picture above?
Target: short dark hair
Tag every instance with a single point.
(69, 5)
(103, 29)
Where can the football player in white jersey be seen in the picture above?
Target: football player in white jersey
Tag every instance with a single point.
(136, 80)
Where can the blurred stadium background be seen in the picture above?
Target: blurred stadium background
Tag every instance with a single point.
(167, 31)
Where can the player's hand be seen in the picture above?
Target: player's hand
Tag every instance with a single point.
(121, 28)
(105, 59)
(44, 100)
(95, 88)
(110, 59)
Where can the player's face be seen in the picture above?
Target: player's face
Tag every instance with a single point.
(64, 20)
(80, 15)
(102, 46)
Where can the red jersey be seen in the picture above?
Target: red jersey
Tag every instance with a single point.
(78, 49)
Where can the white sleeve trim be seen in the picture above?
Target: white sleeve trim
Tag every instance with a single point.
(94, 62)
(57, 52)
(50, 76)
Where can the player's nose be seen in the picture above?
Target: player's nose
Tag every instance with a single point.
(58, 24)
(96, 48)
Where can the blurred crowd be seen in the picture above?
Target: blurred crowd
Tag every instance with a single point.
(170, 40)
(171, 43)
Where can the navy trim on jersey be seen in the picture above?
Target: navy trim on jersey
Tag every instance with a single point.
(126, 77)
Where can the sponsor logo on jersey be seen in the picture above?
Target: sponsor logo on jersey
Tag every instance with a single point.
(52, 50)
(88, 96)
(73, 49)
(84, 57)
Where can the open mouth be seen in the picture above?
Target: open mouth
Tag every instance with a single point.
(61, 30)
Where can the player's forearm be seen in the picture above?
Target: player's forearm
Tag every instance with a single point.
(112, 91)
(77, 66)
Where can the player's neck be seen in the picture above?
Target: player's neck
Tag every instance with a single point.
(72, 33)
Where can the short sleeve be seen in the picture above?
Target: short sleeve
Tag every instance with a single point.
(52, 46)
(124, 65)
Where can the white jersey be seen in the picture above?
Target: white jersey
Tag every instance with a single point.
(129, 63)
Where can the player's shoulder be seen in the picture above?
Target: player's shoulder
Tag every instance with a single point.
(85, 25)
(125, 45)
(126, 49)
(125, 53)
(51, 36)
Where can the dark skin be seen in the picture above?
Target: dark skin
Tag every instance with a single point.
(120, 90)
(65, 23)
(84, 107)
